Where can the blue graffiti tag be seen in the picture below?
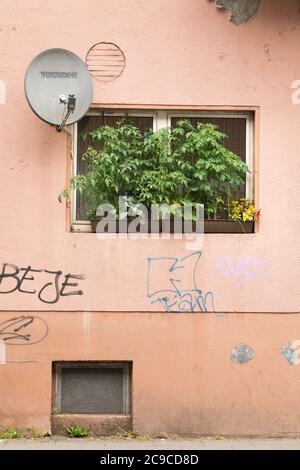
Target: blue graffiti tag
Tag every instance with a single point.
(178, 291)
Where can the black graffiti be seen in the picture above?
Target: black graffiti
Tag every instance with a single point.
(23, 330)
(13, 278)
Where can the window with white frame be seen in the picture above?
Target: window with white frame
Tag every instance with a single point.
(238, 127)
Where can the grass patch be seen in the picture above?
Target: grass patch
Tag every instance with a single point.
(10, 433)
(34, 433)
(130, 436)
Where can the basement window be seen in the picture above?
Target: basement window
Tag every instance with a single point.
(92, 388)
(237, 125)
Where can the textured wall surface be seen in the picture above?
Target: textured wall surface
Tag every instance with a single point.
(178, 52)
(184, 380)
(241, 10)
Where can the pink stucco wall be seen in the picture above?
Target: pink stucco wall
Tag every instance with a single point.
(178, 52)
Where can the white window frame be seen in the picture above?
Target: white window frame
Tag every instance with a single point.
(162, 119)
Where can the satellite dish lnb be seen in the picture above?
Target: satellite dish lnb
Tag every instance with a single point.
(58, 87)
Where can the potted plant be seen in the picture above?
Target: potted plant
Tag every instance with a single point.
(171, 168)
(164, 178)
(113, 160)
(216, 175)
(190, 165)
(242, 214)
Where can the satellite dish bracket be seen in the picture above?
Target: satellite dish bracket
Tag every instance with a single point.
(70, 105)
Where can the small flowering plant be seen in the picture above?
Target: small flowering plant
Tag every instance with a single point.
(243, 210)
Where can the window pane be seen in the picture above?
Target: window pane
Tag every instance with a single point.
(87, 124)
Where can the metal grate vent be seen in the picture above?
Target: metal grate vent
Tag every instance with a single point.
(93, 388)
(105, 61)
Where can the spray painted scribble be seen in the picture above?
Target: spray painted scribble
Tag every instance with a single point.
(13, 278)
(177, 292)
(23, 331)
(242, 353)
(241, 270)
(292, 352)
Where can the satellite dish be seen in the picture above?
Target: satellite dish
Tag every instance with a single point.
(58, 87)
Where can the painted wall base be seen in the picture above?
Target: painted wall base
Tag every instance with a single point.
(186, 379)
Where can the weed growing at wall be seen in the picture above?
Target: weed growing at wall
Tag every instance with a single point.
(77, 431)
(11, 433)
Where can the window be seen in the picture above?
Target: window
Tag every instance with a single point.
(238, 126)
(93, 388)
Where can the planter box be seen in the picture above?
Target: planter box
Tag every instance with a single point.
(121, 227)
(210, 226)
(227, 226)
(217, 226)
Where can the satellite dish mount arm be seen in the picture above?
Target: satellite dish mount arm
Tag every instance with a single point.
(70, 104)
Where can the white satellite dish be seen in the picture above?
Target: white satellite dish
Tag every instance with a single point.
(58, 87)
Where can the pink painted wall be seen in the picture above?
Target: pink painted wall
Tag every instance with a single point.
(178, 52)
(183, 379)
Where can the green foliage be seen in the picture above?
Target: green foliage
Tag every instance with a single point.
(188, 164)
(243, 210)
(114, 159)
(77, 431)
(182, 165)
(63, 195)
(165, 172)
(11, 433)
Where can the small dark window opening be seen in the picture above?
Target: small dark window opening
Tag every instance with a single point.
(93, 388)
